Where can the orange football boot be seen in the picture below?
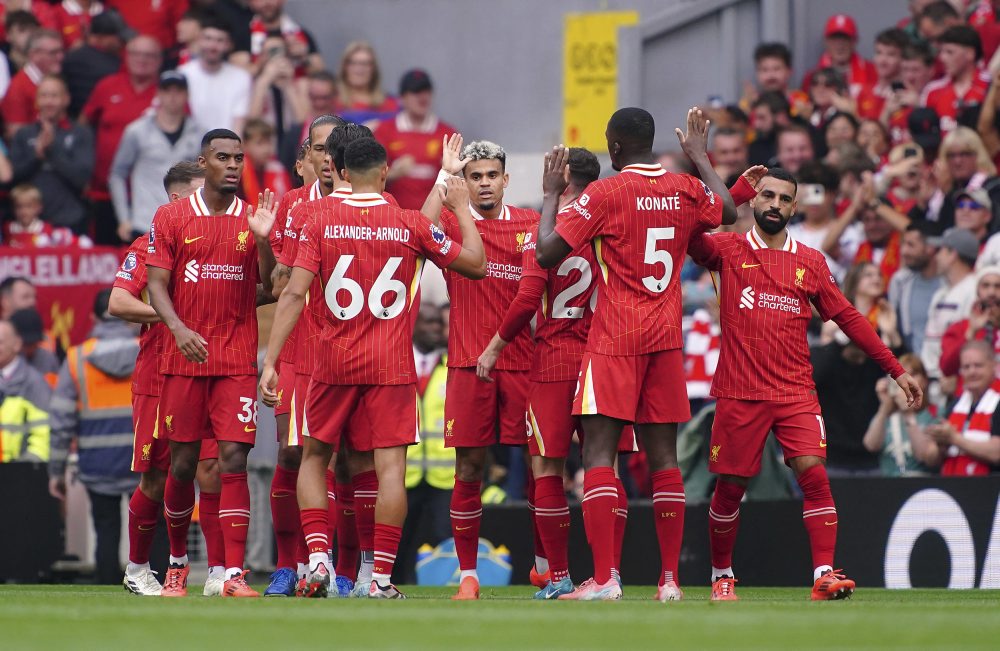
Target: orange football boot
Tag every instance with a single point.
(468, 590)
(176, 581)
(237, 587)
(832, 585)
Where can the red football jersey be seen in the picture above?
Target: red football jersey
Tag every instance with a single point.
(368, 255)
(765, 297)
(640, 221)
(423, 144)
(213, 285)
(478, 306)
(567, 308)
(131, 276)
(940, 95)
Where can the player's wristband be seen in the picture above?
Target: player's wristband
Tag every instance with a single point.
(442, 178)
(742, 191)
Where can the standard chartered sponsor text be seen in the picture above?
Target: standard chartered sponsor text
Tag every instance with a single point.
(222, 271)
(503, 271)
(778, 302)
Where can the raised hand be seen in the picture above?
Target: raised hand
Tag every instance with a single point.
(451, 154)
(456, 193)
(261, 219)
(695, 141)
(555, 173)
(754, 174)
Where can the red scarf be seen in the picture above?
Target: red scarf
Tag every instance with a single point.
(975, 427)
(890, 261)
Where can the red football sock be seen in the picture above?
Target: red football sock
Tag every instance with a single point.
(347, 533)
(285, 515)
(314, 527)
(529, 492)
(600, 499)
(724, 522)
(668, 510)
(331, 506)
(552, 524)
(211, 528)
(234, 516)
(819, 514)
(620, 521)
(466, 514)
(178, 505)
(386, 544)
(365, 494)
(142, 513)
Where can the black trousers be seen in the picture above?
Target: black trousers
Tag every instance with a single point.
(106, 513)
(428, 520)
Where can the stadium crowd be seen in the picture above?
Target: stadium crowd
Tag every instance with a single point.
(895, 160)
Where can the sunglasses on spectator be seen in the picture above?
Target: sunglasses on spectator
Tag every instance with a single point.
(968, 203)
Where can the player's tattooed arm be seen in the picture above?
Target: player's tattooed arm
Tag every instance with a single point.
(191, 344)
(261, 221)
(452, 164)
(286, 315)
(279, 279)
(551, 247)
(129, 308)
(264, 297)
(695, 145)
(471, 260)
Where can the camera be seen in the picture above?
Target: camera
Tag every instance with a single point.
(813, 194)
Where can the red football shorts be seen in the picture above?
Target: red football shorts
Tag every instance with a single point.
(362, 417)
(551, 423)
(209, 450)
(149, 449)
(635, 388)
(472, 408)
(741, 427)
(286, 387)
(219, 407)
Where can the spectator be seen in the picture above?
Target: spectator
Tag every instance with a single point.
(220, 91)
(186, 46)
(19, 26)
(840, 128)
(973, 212)
(92, 407)
(99, 57)
(28, 324)
(321, 98)
(794, 147)
(898, 429)
(770, 115)
(908, 179)
(24, 404)
(360, 97)
(968, 443)
(925, 130)
(19, 107)
(840, 39)
(675, 162)
(262, 169)
(237, 14)
(729, 152)
(55, 156)
(936, 18)
(962, 163)
(16, 292)
(955, 257)
(916, 71)
(874, 139)
(818, 184)
(270, 19)
(148, 147)
(28, 230)
(157, 19)
(982, 324)
(773, 72)
(963, 85)
(277, 97)
(984, 21)
(914, 284)
(413, 141)
(118, 101)
(864, 288)
(829, 95)
(889, 46)
(71, 18)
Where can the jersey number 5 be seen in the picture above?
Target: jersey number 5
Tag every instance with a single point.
(658, 256)
(384, 284)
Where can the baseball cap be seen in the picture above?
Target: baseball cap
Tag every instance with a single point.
(843, 25)
(172, 78)
(110, 23)
(415, 81)
(925, 128)
(28, 324)
(979, 195)
(959, 240)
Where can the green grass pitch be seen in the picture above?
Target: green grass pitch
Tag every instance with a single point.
(87, 617)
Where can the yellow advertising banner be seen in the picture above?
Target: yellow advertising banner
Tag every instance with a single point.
(590, 75)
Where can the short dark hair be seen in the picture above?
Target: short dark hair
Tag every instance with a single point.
(7, 284)
(893, 37)
(182, 174)
(773, 100)
(584, 168)
(20, 18)
(773, 51)
(218, 134)
(211, 20)
(964, 36)
(101, 302)
(819, 173)
(782, 174)
(634, 125)
(363, 155)
(794, 127)
(838, 115)
(338, 140)
(939, 11)
(303, 149)
(833, 76)
(325, 120)
(925, 228)
(321, 75)
(919, 51)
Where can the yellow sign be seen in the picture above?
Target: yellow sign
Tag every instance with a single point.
(590, 75)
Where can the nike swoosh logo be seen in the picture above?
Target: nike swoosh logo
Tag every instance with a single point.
(142, 528)
(249, 429)
(830, 524)
(723, 530)
(240, 524)
(174, 526)
(749, 266)
(188, 240)
(281, 494)
(463, 528)
(822, 444)
(348, 513)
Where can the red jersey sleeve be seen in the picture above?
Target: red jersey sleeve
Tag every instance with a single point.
(951, 347)
(295, 223)
(704, 250)
(433, 242)
(308, 256)
(582, 220)
(864, 336)
(529, 263)
(162, 249)
(828, 298)
(709, 206)
(131, 275)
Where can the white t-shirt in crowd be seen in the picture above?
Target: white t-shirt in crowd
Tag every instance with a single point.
(813, 238)
(217, 99)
